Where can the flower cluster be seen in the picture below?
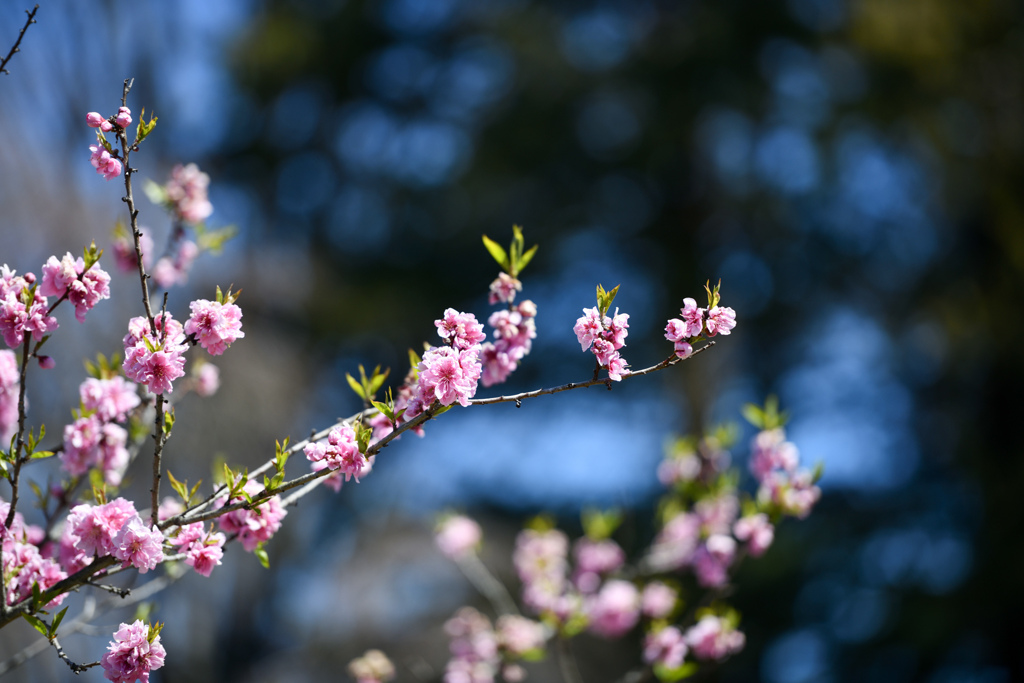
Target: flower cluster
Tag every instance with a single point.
(94, 440)
(480, 651)
(457, 536)
(105, 163)
(133, 653)
(340, 453)
(214, 324)
(604, 336)
(514, 332)
(83, 287)
(23, 310)
(783, 485)
(461, 331)
(173, 270)
(155, 360)
(114, 529)
(447, 375)
(9, 383)
(23, 564)
(203, 549)
(253, 526)
(187, 193)
(695, 322)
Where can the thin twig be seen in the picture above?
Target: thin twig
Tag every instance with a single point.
(75, 668)
(81, 622)
(566, 662)
(486, 583)
(21, 34)
(133, 213)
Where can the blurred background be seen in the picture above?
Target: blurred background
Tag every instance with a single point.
(850, 169)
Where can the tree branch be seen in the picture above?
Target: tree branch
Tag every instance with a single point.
(14, 49)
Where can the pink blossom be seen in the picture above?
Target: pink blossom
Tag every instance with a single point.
(124, 251)
(693, 317)
(680, 468)
(713, 638)
(794, 493)
(187, 192)
(683, 350)
(59, 275)
(676, 330)
(461, 330)
(497, 365)
(81, 439)
(658, 600)
(769, 450)
(711, 563)
(169, 507)
(9, 383)
(717, 513)
(132, 654)
(24, 566)
(207, 379)
(616, 367)
(124, 117)
(618, 329)
(675, 546)
(721, 320)
(257, 525)
(112, 399)
(666, 647)
(519, 635)
(138, 546)
(472, 637)
(105, 164)
(154, 368)
(94, 527)
(615, 609)
(448, 375)
(458, 535)
(757, 531)
(203, 551)
(214, 324)
(16, 319)
(600, 557)
(94, 119)
(169, 272)
(341, 452)
(588, 327)
(503, 289)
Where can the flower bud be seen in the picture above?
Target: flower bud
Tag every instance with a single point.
(47, 362)
(124, 117)
(93, 119)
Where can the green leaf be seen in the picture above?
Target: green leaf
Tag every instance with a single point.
(414, 361)
(179, 487)
(261, 555)
(669, 675)
(497, 252)
(57, 619)
(144, 129)
(605, 299)
(39, 455)
(753, 415)
(156, 193)
(598, 525)
(356, 386)
(384, 409)
(37, 623)
(377, 381)
(819, 470)
(525, 259)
